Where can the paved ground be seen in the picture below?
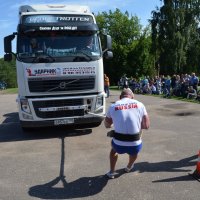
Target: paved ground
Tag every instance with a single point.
(69, 164)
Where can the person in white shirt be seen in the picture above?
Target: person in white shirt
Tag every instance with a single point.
(128, 117)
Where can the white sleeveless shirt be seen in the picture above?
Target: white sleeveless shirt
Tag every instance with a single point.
(127, 116)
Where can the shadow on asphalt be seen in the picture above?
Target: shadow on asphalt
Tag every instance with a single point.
(88, 186)
(169, 166)
(82, 187)
(10, 130)
(175, 179)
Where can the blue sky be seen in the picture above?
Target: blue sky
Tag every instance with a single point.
(9, 11)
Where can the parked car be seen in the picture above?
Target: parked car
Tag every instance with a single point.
(3, 85)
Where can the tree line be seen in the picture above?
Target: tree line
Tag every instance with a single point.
(169, 44)
(175, 36)
(8, 73)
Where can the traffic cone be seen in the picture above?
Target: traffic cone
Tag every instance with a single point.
(196, 173)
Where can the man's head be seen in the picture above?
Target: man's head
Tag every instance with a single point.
(89, 41)
(127, 93)
(33, 43)
(191, 87)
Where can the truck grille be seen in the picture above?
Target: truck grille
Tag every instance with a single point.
(58, 103)
(53, 85)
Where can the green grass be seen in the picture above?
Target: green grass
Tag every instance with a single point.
(9, 91)
(113, 88)
(185, 99)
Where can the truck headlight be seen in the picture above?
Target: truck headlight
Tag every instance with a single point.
(99, 102)
(25, 106)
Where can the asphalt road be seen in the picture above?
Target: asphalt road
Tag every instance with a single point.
(70, 164)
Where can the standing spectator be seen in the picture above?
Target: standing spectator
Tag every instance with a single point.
(184, 85)
(173, 81)
(119, 83)
(163, 78)
(167, 86)
(194, 81)
(125, 81)
(145, 81)
(158, 86)
(106, 85)
(129, 117)
(187, 80)
(133, 84)
(177, 89)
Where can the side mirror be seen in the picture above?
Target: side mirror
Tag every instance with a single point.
(8, 57)
(108, 42)
(7, 43)
(107, 46)
(108, 54)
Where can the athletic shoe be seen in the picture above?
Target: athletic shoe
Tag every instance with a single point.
(129, 169)
(111, 175)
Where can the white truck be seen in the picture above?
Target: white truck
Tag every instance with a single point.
(59, 62)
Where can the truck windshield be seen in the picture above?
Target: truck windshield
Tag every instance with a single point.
(58, 46)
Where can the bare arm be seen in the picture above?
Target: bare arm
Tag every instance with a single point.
(145, 122)
(108, 122)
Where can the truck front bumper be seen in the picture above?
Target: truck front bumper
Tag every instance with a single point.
(95, 120)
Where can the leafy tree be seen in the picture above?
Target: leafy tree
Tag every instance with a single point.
(128, 44)
(8, 73)
(140, 57)
(174, 35)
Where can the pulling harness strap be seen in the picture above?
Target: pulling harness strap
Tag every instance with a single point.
(127, 137)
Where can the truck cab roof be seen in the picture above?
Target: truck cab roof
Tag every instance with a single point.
(81, 9)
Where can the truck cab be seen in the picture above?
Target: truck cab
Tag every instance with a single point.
(59, 62)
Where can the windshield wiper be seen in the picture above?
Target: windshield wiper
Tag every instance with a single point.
(80, 58)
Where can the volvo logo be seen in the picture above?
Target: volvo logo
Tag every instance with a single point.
(62, 85)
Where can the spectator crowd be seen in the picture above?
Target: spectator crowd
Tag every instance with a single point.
(184, 85)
